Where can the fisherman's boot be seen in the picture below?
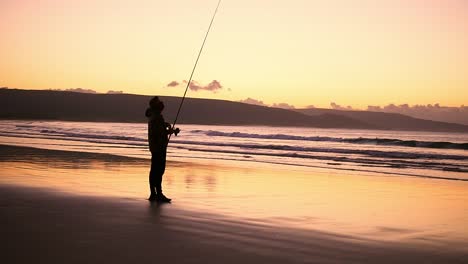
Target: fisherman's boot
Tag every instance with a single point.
(153, 196)
(161, 198)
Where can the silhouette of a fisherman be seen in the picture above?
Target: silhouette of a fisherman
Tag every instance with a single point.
(158, 138)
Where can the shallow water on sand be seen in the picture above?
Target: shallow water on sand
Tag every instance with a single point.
(350, 203)
(397, 153)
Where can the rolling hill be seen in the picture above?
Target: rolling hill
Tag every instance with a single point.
(72, 106)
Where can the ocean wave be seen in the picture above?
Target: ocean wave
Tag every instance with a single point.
(276, 150)
(360, 140)
(24, 126)
(282, 148)
(299, 149)
(91, 136)
(367, 162)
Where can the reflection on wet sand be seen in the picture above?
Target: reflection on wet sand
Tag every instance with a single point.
(367, 206)
(51, 227)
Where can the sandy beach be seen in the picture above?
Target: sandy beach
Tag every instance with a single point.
(60, 206)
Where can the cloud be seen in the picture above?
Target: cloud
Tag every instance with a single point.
(335, 106)
(77, 90)
(310, 107)
(81, 90)
(434, 112)
(253, 102)
(430, 111)
(173, 84)
(261, 103)
(213, 86)
(195, 86)
(283, 105)
(114, 92)
(374, 108)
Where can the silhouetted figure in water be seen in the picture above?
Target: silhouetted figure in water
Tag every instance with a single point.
(158, 138)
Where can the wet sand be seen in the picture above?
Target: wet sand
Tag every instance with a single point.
(43, 226)
(68, 207)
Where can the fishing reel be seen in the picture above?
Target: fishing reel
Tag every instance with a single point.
(170, 129)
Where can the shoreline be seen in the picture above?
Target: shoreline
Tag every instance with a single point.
(19, 149)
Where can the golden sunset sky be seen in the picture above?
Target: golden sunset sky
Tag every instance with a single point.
(353, 52)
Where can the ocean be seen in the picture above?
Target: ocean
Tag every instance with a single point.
(394, 153)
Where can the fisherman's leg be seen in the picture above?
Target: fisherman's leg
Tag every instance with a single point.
(153, 177)
(161, 196)
(161, 168)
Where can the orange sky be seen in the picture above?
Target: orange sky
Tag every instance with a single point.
(353, 52)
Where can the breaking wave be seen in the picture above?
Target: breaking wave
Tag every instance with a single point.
(359, 140)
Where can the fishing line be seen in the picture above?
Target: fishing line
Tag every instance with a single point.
(194, 67)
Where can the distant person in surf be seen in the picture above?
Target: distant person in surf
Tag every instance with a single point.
(158, 138)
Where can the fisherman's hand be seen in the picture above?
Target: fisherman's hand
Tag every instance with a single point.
(173, 131)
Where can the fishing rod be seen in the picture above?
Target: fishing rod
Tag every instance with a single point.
(193, 70)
